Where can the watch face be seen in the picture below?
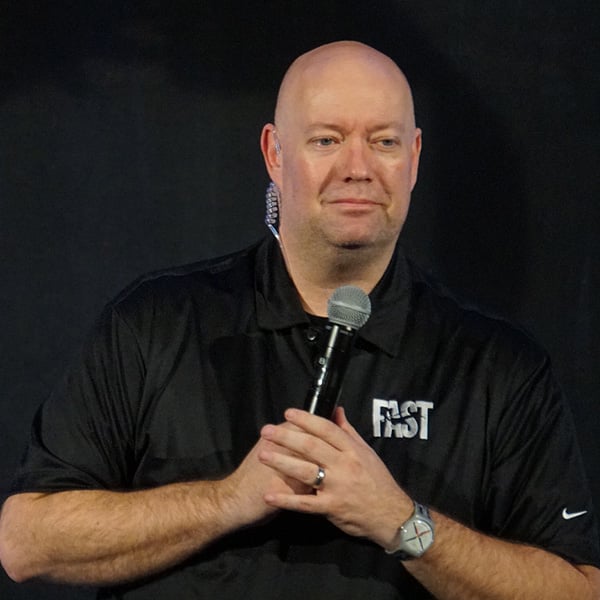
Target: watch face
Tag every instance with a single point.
(417, 536)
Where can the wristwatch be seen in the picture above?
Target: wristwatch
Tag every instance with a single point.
(414, 536)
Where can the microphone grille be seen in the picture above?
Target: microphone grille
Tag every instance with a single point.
(349, 306)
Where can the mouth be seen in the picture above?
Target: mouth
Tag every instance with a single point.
(355, 202)
(354, 206)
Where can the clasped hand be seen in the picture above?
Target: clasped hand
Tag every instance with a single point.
(358, 494)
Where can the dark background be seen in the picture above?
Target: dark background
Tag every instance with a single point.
(129, 142)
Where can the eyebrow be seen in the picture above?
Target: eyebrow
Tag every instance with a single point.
(338, 127)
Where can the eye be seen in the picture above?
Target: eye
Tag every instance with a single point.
(387, 143)
(324, 142)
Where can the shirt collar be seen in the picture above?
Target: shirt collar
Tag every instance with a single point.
(278, 304)
(390, 301)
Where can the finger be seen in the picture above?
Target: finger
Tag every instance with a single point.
(306, 503)
(339, 416)
(340, 419)
(293, 467)
(319, 427)
(300, 443)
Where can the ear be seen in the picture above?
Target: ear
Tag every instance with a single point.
(415, 155)
(269, 145)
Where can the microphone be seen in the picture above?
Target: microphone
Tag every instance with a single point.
(348, 309)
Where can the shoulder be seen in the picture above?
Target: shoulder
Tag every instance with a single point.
(211, 294)
(207, 280)
(471, 327)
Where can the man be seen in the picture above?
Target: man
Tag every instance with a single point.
(152, 472)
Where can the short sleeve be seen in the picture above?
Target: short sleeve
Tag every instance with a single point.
(82, 435)
(538, 491)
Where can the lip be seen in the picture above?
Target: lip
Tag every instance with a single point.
(354, 202)
(354, 206)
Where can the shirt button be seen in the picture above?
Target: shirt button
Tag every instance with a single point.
(312, 334)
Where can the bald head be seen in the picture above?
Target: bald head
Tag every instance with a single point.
(344, 154)
(354, 62)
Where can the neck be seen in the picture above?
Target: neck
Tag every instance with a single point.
(316, 280)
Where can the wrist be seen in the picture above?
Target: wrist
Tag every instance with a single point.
(414, 536)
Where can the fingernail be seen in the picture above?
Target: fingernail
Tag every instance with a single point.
(267, 431)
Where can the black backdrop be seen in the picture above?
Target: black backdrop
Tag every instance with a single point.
(129, 142)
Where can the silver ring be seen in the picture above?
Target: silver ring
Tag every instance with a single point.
(319, 478)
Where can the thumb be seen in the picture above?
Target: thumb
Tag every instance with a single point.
(339, 418)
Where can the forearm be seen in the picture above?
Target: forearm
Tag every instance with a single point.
(101, 537)
(360, 496)
(463, 564)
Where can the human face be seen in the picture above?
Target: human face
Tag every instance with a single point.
(349, 155)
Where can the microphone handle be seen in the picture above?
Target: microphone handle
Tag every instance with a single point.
(323, 396)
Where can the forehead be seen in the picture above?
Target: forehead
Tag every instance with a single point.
(347, 88)
(369, 106)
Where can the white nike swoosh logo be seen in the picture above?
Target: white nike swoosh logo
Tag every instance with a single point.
(567, 515)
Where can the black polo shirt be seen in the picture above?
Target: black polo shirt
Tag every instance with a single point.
(184, 368)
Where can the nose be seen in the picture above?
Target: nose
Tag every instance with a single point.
(355, 161)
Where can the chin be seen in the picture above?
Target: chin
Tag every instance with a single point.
(365, 245)
(357, 238)
(356, 246)
(351, 239)
(352, 245)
